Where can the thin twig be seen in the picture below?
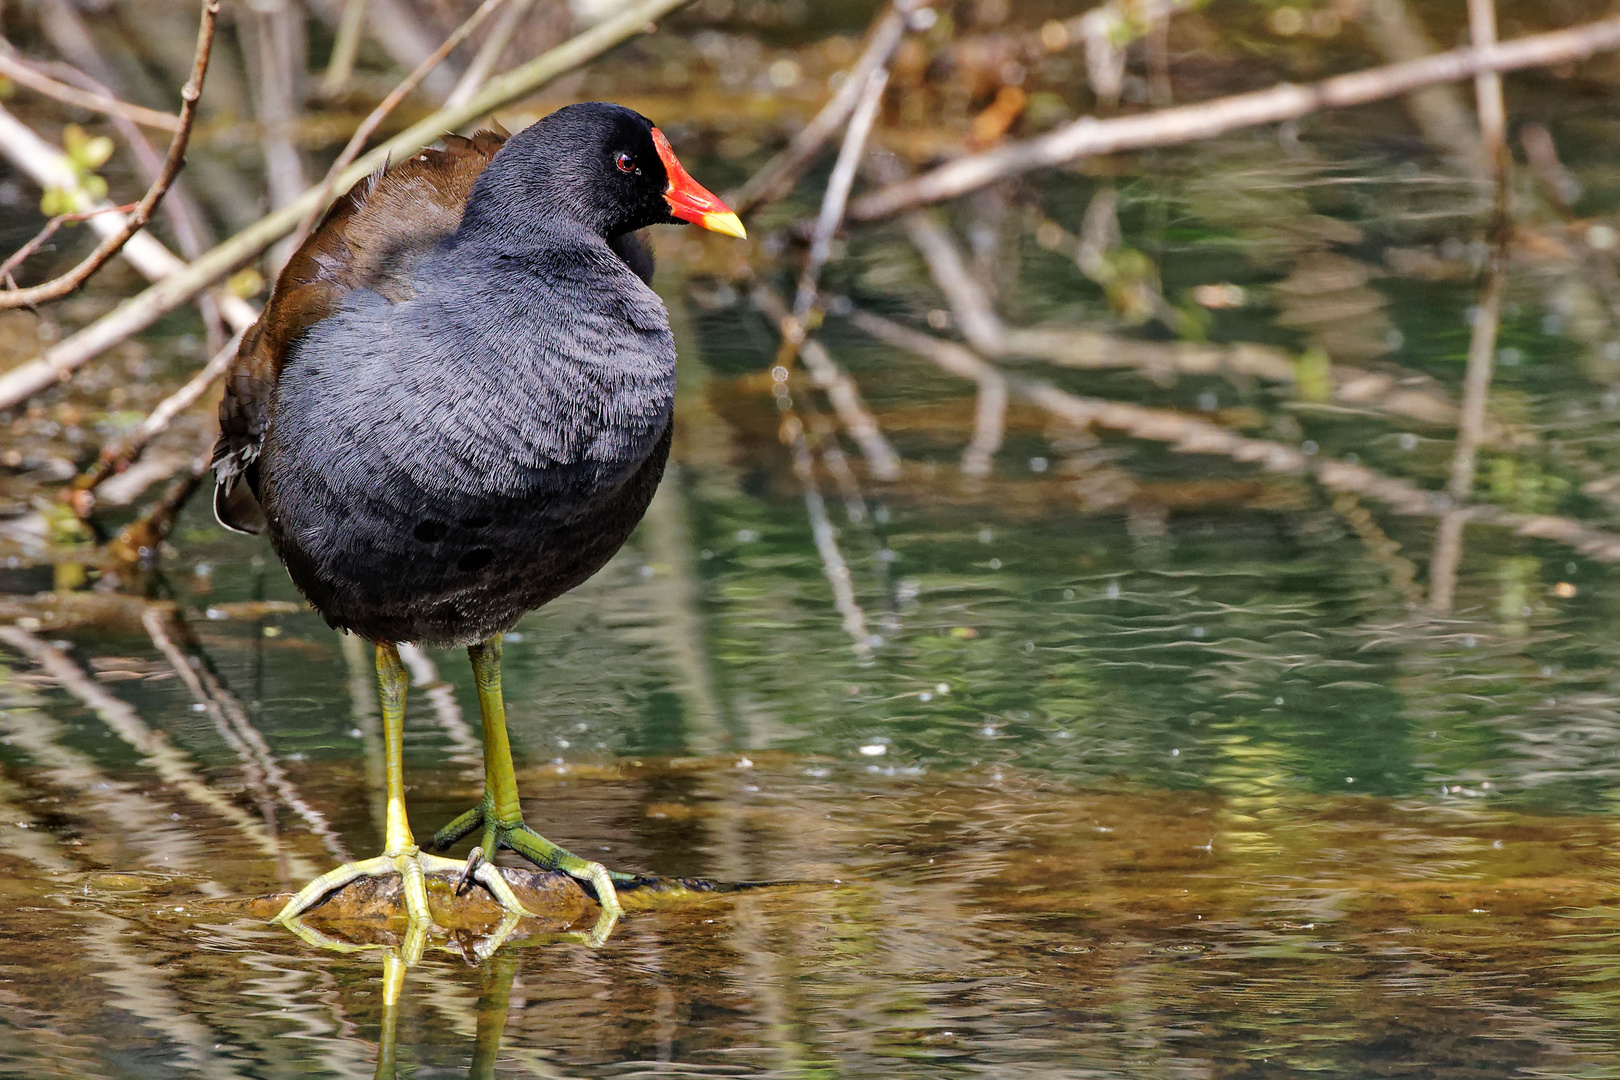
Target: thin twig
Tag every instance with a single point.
(777, 176)
(137, 543)
(1188, 123)
(836, 197)
(191, 231)
(357, 141)
(142, 310)
(489, 52)
(1488, 84)
(137, 219)
(22, 254)
(24, 74)
(49, 167)
(345, 47)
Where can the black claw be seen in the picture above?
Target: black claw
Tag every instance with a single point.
(464, 882)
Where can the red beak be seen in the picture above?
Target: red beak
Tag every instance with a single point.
(690, 200)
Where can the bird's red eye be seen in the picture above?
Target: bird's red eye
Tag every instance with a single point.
(626, 163)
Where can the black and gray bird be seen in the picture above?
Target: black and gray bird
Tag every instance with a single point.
(456, 406)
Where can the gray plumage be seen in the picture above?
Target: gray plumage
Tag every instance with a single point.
(479, 426)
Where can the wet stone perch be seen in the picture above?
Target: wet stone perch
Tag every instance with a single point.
(553, 897)
(556, 900)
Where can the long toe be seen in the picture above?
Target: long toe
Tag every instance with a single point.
(411, 867)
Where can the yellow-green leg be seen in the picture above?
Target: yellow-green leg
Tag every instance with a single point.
(499, 815)
(400, 854)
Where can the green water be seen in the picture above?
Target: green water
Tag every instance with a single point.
(1122, 761)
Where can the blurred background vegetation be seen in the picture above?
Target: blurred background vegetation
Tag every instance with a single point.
(1097, 578)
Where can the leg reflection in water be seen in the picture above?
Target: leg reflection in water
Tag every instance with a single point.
(499, 969)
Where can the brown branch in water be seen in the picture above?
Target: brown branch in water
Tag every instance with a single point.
(140, 311)
(778, 175)
(24, 74)
(357, 141)
(1193, 435)
(1385, 551)
(833, 566)
(137, 542)
(137, 219)
(1190, 123)
(172, 765)
(1470, 429)
(840, 389)
(119, 456)
(231, 721)
(253, 774)
(1413, 397)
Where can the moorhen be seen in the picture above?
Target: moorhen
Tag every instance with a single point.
(456, 406)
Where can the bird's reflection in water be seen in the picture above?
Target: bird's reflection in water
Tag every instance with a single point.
(402, 952)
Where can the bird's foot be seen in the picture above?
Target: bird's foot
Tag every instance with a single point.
(412, 866)
(516, 836)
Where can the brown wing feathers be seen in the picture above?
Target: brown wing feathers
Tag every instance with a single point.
(366, 240)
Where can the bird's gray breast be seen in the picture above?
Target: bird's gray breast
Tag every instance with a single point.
(406, 432)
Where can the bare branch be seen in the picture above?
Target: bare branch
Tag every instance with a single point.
(357, 141)
(22, 254)
(777, 175)
(1167, 127)
(489, 53)
(119, 456)
(1488, 84)
(1414, 396)
(67, 283)
(24, 74)
(345, 47)
(142, 310)
(136, 542)
(49, 167)
(1470, 431)
(836, 197)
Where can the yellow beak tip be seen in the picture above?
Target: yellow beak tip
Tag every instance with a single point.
(727, 223)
